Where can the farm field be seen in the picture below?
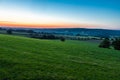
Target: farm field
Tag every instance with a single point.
(24, 58)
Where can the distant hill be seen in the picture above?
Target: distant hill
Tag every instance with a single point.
(83, 32)
(78, 31)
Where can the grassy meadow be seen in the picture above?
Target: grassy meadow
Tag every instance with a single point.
(24, 58)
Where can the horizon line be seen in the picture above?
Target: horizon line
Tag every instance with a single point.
(10, 24)
(45, 25)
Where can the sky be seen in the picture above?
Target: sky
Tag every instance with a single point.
(103, 14)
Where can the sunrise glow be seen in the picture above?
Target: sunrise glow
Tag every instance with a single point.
(59, 14)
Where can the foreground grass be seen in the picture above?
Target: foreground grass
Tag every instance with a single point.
(32, 59)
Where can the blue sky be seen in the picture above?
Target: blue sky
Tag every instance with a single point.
(105, 13)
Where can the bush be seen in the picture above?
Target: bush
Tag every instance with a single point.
(9, 31)
(105, 43)
(62, 39)
(116, 44)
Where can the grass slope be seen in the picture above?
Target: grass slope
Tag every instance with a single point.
(32, 59)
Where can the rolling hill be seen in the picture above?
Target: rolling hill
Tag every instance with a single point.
(69, 31)
(34, 59)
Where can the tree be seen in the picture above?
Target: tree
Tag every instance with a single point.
(62, 39)
(9, 31)
(105, 43)
(116, 44)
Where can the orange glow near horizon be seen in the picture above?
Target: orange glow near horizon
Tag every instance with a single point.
(56, 25)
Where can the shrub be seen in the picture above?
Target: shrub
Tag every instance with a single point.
(116, 44)
(62, 39)
(105, 43)
(9, 31)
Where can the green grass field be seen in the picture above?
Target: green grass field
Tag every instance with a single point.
(34, 59)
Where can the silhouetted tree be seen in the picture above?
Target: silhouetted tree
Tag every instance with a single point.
(9, 31)
(105, 43)
(116, 44)
(62, 39)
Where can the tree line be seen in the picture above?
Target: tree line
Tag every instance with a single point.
(33, 34)
(107, 43)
